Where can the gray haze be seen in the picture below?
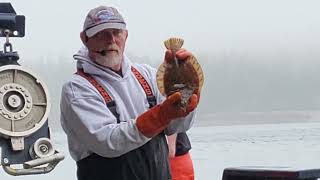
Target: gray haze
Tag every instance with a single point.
(257, 55)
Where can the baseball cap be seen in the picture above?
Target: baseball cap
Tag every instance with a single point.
(103, 17)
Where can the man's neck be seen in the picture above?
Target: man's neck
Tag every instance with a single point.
(118, 71)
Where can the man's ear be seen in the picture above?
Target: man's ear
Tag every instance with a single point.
(84, 38)
(126, 34)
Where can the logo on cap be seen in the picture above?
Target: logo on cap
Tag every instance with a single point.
(103, 15)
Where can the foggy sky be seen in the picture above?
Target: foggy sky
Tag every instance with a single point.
(257, 55)
(257, 27)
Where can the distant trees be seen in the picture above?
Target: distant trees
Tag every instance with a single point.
(231, 84)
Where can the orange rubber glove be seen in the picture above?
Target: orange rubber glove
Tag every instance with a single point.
(156, 119)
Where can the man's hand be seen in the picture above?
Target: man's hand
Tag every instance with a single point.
(181, 54)
(193, 102)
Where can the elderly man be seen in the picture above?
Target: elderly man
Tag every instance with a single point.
(112, 111)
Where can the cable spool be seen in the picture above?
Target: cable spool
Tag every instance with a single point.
(24, 102)
(41, 148)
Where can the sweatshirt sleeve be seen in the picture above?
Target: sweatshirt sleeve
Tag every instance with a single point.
(86, 118)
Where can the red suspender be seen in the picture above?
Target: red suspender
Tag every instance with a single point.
(142, 82)
(145, 85)
(101, 90)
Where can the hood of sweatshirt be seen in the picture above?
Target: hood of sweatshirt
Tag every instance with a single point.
(84, 62)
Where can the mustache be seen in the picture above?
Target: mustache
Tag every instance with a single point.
(103, 52)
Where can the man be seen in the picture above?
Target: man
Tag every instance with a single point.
(181, 164)
(112, 111)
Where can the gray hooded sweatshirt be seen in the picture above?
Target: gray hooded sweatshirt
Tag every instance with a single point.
(88, 123)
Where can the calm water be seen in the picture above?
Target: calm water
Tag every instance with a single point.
(218, 147)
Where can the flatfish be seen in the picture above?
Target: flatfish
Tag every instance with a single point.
(175, 75)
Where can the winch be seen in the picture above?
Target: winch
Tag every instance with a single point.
(25, 142)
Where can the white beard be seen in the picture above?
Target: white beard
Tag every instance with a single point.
(109, 60)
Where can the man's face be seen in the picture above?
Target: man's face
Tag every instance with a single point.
(107, 46)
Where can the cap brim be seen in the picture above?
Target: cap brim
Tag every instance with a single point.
(94, 30)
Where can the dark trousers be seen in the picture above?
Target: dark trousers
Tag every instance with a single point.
(149, 162)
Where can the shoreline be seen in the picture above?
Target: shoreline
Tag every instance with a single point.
(256, 118)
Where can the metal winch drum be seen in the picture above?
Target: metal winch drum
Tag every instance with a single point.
(24, 102)
(24, 130)
(24, 108)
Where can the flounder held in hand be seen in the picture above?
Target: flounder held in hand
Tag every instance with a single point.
(175, 75)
